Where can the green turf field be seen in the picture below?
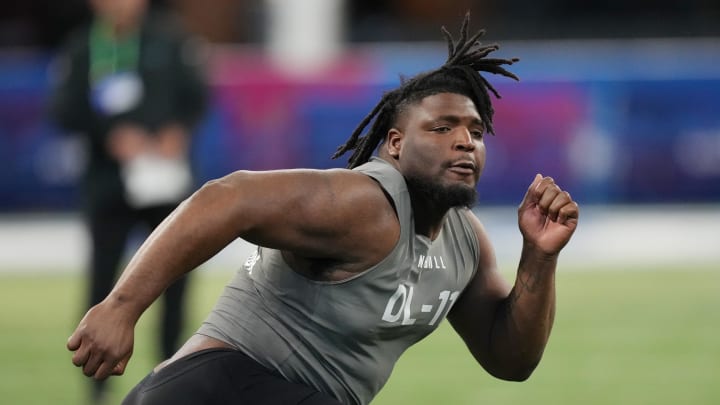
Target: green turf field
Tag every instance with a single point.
(620, 337)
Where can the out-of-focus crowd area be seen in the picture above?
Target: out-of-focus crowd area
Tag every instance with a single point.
(618, 100)
(44, 23)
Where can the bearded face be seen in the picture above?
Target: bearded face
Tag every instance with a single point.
(441, 194)
(438, 146)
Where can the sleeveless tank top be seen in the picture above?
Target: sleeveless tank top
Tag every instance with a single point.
(343, 338)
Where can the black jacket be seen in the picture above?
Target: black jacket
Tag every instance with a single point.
(174, 91)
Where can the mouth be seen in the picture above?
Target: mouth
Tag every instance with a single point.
(463, 167)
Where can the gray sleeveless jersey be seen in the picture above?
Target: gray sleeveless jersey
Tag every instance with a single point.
(343, 338)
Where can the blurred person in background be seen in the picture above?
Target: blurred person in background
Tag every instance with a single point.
(353, 265)
(132, 86)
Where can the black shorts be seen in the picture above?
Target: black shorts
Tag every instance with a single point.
(221, 376)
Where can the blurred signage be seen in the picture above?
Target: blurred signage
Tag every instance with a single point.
(609, 130)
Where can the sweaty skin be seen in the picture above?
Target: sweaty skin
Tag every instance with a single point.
(316, 218)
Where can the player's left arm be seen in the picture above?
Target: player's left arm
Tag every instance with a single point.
(507, 329)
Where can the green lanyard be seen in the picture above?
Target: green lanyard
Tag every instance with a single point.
(110, 55)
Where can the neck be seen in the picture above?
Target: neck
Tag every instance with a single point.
(428, 214)
(431, 202)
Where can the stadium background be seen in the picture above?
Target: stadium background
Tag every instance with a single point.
(619, 101)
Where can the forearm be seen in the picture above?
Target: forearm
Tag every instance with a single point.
(523, 320)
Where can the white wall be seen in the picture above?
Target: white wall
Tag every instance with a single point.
(639, 237)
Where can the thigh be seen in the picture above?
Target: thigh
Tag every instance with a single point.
(221, 376)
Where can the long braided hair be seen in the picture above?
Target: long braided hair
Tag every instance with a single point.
(459, 74)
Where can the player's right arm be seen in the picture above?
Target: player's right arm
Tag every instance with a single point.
(309, 213)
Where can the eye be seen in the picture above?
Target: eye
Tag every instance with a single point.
(477, 133)
(442, 129)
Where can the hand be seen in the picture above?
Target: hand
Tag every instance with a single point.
(127, 141)
(547, 216)
(102, 342)
(172, 141)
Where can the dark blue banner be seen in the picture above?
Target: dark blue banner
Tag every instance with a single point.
(612, 124)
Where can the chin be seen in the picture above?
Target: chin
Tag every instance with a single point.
(442, 193)
(461, 195)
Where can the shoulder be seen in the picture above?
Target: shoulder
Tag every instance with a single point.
(166, 28)
(77, 41)
(317, 196)
(384, 173)
(361, 218)
(352, 196)
(337, 213)
(164, 35)
(306, 182)
(71, 56)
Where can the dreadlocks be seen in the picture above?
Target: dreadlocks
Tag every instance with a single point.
(460, 74)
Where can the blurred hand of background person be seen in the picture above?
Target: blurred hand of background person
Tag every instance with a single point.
(127, 141)
(172, 141)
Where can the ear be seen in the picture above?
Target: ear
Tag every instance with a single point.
(394, 142)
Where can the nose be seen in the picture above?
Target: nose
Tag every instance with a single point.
(464, 140)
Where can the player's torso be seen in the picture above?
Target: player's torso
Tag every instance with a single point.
(403, 297)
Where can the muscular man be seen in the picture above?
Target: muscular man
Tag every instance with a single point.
(353, 265)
